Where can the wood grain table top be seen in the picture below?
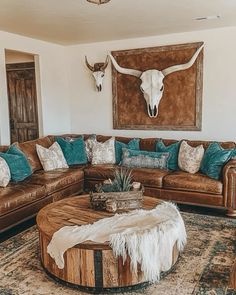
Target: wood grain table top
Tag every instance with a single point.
(76, 211)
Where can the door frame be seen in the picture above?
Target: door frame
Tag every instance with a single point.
(23, 66)
(4, 103)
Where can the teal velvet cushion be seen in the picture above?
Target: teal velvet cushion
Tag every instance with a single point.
(18, 163)
(74, 150)
(173, 149)
(144, 159)
(132, 145)
(214, 159)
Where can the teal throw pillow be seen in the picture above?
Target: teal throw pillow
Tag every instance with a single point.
(18, 164)
(132, 145)
(74, 151)
(144, 159)
(173, 149)
(214, 159)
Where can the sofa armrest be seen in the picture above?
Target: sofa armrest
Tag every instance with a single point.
(229, 182)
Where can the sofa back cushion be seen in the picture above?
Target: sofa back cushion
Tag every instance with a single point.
(29, 149)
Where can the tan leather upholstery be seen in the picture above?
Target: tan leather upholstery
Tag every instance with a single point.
(149, 144)
(18, 195)
(192, 182)
(56, 180)
(19, 202)
(29, 149)
(229, 180)
(99, 171)
(4, 148)
(148, 177)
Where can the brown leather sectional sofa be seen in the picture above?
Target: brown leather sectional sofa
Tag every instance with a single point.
(21, 201)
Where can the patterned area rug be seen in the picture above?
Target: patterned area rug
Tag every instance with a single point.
(203, 268)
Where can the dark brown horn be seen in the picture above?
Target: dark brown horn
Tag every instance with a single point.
(105, 64)
(88, 65)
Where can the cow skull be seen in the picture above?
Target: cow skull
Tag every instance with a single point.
(152, 84)
(98, 72)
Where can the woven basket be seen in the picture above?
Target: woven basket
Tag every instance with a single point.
(117, 201)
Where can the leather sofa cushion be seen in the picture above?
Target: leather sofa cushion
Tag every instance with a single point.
(15, 196)
(193, 182)
(29, 149)
(148, 177)
(57, 179)
(99, 171)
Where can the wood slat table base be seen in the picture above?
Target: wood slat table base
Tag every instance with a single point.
(89, 265)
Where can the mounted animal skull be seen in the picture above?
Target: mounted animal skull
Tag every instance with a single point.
(98, 72)
(152, 84)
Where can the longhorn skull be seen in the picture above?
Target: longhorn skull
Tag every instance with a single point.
(152, 81)
(98, 72)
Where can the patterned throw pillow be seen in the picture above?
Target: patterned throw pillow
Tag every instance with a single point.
(173, 149)
(133, 144)
(89, 144)
(73, 151)
(51, 158)
(104, 152)
(17, 162)
(190, 157)
(5, 174)
(144, 159)
(214, 159)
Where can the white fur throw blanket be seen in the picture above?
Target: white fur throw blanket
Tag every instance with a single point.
(148, 236)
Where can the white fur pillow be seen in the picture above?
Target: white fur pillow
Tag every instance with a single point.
(51, 158)
(5, 174)
(190, 158)
(104, 152)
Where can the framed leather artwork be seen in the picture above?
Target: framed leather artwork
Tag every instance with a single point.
(174, 101)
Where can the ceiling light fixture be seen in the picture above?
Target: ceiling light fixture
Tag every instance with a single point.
(98, 2)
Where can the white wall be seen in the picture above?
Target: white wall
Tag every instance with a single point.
(91, 112)
(54, 101)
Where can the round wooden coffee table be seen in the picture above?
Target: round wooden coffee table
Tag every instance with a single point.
(89, 266)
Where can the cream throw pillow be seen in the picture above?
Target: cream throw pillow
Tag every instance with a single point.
(51, 158)
(5, 174)
(104, 152)
(190, 158)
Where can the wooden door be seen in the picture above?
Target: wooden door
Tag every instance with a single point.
(22, 101)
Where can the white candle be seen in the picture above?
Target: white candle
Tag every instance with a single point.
(136, 185)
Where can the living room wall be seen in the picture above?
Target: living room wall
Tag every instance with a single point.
(54, 110)
(91, 112)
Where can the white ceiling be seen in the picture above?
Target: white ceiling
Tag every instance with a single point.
(77, 21)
